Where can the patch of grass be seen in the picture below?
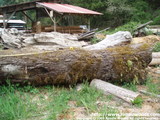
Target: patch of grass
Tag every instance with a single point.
(130, 86)
(107, 113)
(95, 40)
(47, 102)
(59, 104)
(138, 102)
(152, 87)
(13, 105)
(156, 47)
(87, 97)
(126, 27)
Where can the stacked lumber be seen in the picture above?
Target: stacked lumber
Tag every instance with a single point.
(64, 29)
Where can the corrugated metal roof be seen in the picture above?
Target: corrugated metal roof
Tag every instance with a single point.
(69, 9)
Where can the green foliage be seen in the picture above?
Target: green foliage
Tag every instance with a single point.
(27, 102)
(115, 12)
(142, 12)
(152, 87)
(14, 107)
(106, 113)
(129, 63)
(9, 2)
(156, 20)
(156, 47)
(130, 86)
(87, 97)
(126, 27)
(94, 40)
(119, 12)
(59, 104)
(138, 102)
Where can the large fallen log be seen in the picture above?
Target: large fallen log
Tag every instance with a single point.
(70, 66)
(108, 88)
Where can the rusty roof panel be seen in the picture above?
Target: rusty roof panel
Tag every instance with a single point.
(69, 9)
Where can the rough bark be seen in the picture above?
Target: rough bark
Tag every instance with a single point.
(70, 66)
(108, 88)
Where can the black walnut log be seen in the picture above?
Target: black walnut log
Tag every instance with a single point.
(69, 66)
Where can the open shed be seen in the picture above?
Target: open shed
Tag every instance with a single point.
(55, 9)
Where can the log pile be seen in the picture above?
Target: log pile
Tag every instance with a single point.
(109, 60)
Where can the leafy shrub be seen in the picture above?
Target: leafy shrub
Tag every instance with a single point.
(138, 102)
(156, 20)
(126, 27)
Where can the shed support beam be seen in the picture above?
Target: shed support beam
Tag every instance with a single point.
(4, 18)
(27, 16)
(55, 24)
(53, 20)
(10, 17)
(89, 24)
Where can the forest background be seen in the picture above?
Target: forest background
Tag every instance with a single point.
(115, 12)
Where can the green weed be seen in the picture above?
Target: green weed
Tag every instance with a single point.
(59, 104)
(138, 102)
(13, 105)
(130, 26)
(29, 102)
(152, 87)
(156, 47)
(95, 40)
(130, 86)
(107, 113)
(87, 97)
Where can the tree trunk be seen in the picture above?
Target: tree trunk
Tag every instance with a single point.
(69, 66)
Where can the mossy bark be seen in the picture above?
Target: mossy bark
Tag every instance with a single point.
(70, 66)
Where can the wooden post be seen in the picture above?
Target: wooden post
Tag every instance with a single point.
(53, 20)
(27, 16)
(4, 18)
(10, 17)
(89, 24)
(55, 24)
